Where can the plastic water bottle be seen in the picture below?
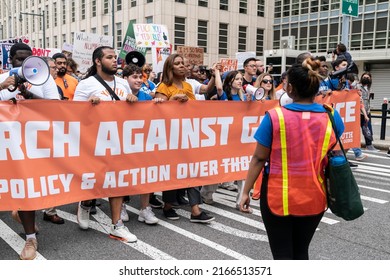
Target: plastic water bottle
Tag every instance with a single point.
(338, 160)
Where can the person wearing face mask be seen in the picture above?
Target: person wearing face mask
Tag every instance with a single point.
(365, 92)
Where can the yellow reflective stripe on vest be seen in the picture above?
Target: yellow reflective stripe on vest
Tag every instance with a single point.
(325, 146)
(283, 146)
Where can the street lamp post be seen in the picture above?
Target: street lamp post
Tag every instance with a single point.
(43, 23)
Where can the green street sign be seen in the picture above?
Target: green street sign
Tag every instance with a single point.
(350, 7)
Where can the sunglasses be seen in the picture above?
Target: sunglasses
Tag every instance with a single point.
(265, 81)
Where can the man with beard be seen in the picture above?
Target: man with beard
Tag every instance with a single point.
(101, 84)
(66, 82)
(259, 67)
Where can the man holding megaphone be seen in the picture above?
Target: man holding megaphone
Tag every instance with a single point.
(29, 77)
(31, 80)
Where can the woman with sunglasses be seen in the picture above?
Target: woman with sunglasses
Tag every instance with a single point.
(147, 86)
(266, 82)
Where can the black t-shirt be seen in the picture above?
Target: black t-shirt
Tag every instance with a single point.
(245, 82)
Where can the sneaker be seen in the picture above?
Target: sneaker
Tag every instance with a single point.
(29, 251)
(230, 186)
(171, 214)
(371, 148)
(83, 216)
(154, 202)
(15, 216)
(201, 218)
(352, 165)
(146, 215)
(124, 214)
(122, 233)
(361, 157)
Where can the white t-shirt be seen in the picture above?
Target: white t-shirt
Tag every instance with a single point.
(196, 88)
(46, 91)
(92, 87)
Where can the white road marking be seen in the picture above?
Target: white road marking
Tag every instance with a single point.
(14, 240)
(197, 238)
(103, 225)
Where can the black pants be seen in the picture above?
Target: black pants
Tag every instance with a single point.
(289, 236)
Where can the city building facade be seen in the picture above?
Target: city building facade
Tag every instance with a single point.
(221, 27)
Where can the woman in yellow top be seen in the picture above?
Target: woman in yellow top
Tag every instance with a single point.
(173, 85)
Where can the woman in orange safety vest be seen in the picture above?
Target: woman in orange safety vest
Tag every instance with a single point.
(294, 140)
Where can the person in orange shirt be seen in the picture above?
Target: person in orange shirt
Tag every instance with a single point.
(66, 82)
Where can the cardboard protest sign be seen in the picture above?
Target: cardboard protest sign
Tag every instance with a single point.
(193, 54)
(228, 64)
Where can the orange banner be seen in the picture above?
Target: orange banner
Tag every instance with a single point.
(347, 103)
(55, 152)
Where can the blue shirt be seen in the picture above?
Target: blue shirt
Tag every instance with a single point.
(263, 134)
(143, 96)
(235, 97)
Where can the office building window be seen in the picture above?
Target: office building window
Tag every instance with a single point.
(149, 1)
(324, 5)
(243, 8)
(278, 9)
(93, 30)
(223, 38)
(118, 35)
(73, 4)
(149, 19)
(335, 4)
(179, 37)
(55, 39)
(105, 29)
(202, 34)
(93, 8)
(313, 6)
(259, 42)
(180, 1)
(203, 3)
(119, 5)
(63, 38)
(55, 16)
(63, 12)
(295, 8)
(261, 7)
(305, 7)
(224, 5)
(47, 20)
(105, 7)
(133, 3)
(82, 9)
(242, 38)
(72, 37)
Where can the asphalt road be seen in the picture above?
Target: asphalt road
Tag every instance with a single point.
(232, 236)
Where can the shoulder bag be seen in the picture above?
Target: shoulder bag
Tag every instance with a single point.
(342, 190)
(112, 93)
